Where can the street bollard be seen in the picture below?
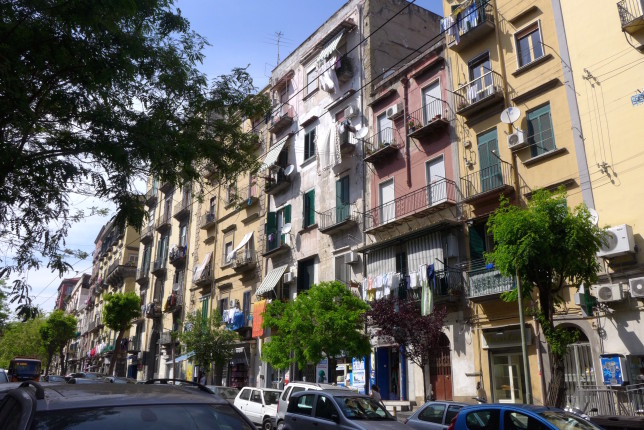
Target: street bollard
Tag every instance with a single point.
(394, 412)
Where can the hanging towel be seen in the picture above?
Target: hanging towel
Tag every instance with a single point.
(413, 280)
(387, 285)
(422, 274)
(370, 283)
(427, 298)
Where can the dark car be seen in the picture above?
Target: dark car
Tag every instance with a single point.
(54, 378)
(3, 376)
(119, 380)
(435, 415)
(88, 375)
(337, 409)
(122, 406)
(518, 417)
(85, 381)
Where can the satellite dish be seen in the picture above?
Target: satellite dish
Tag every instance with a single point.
(362, 133)
(289, 169)
(286, 229)
(594, 216)
(510, 115)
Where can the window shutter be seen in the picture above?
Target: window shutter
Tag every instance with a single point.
(311, 203)
(271, 222)
(287, 214)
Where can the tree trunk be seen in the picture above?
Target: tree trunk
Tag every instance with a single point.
(61, 353)
(424, 370)
(117, 351)
(332, 364)
(218, 373)
(556, 390)
(50, 355)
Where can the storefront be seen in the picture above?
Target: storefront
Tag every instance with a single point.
(238, 368)
(391, 372)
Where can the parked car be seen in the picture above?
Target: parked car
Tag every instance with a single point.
(337, 409)
(434, 415)
(228, 393)
(85, 381)
(54, 378)
(101, 406)
(292, 388)
(89, 375)
(518, 417)
(3, 376)
(259, 405)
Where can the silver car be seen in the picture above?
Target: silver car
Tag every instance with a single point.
(434, 415)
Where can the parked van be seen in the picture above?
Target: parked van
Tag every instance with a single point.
(292, 388)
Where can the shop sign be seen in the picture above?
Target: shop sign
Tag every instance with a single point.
(322, 371)
(504, 338)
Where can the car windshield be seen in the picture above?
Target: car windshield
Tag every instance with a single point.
(362, 408)
(90, 375)
(200, 417)
(567, 421)
(271, 397)
(226, 392)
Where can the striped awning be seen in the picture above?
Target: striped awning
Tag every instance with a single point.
(330, 47)
(271, 156)
(271, 280)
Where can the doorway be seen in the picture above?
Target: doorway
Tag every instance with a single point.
(440, 370)
(507, 378)
(488, 149)
(436, 185)
(387, 206)
(432, 103)
(388, 372)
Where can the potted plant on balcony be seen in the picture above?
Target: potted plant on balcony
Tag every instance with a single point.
(411, 124)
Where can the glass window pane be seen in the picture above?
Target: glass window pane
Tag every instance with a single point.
(324, 408)
(433, 413)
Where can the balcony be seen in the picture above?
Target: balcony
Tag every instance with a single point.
(182, 209)
(151, 197)
(178, 255)
(338, 219)
(207, 220)
(244, 260)
(344, 69)
(631, 15)
(479, 94)
(210, 171)
(205, 278)
(486, 283)
(384, 144)
(348, 142)
(134, 344)
(472, 25)
(118, 272)
(282, 117)
(174, 301)
(147, 233)
(252, 196)
(153, 310)
(276, 182)
(165, 187)
(420, 203)
(143, 275)
(159, 267)
(277, 243)
(487, 183)
(164, 222)
(429, 119)
(166, 338)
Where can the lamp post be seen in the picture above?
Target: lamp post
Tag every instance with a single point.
(524, 347)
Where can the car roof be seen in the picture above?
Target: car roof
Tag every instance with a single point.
(257, 388)
(336, 392)
(312, 384)
(536, 409)
(72, 396)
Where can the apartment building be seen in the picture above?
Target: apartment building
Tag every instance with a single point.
(75, 305)
(64, 290)
(607, 70)
(505, 54)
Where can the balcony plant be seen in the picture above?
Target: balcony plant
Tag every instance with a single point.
(411, 124)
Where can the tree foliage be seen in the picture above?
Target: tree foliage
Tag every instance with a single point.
(5, 312)
(22, 339)
(401, 320)
(95, 95)
(550, 246)
(57, 329)
(326, 321)
(119, 310)
(210, 341)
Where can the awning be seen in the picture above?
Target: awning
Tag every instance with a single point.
(201, 267)
(243, 242)
(184, 357)
(331, 46)
(271, 280)
(271, 156)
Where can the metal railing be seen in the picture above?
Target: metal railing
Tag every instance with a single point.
(159, 264)
(207, 219)
(629, 11)
(143, 272)
(470, 19)
(387, 137)
(337, 215)
(147, 231)
(205, 277)
(182, 206)
(435, 194)
(429, 113)
(605, 400)
(244, 258)
(178, 253)
(496, 176)
(164, 220)
(478, 90)
(174, 300)
(275, 181)
(151, 196)
(282, 115)
(485, 280)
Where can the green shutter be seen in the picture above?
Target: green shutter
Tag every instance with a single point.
(287, 214)
(204, 308)
(540, 135)
(477, 241)
(271, 222)
(309, 208)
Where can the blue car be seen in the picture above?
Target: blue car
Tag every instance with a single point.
(517, 417)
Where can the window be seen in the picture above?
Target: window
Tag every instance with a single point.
(342, 206)
(183, 235)
(162, 249)
(246, 305)
(311, 81)
(452, 411)
(245, 394)
(528, 43)
(482, 419)
(324, 408)
(228, 246)
(519, 421)
(204, 307)
(433, 413)
(480, 77)
(301, 405)
(256, 397)
(212, 205)
(223, 305)
(305, 274)
(540, 136)
(308, 217)
(342, 269)
(167, 207)
(286, 393)
(231, 193)
(275, 222)
(385, 130)
(147, 253)
(309, 144)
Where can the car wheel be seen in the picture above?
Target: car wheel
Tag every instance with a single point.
(280, 425)
(266, 425)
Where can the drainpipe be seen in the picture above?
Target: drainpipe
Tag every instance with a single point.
(405, 85)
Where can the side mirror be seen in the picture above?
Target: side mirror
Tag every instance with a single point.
(335, 417)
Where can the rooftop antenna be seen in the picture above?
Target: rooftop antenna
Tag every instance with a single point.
(279, 35)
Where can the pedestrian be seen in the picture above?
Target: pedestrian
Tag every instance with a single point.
(202, 378)
(375, 393)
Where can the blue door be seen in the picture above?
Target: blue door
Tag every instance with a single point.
(382, 371)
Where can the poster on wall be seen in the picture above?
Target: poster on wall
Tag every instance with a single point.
(358, 376)
(614, 370)
(322, 371)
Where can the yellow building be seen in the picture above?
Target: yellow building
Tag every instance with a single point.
(507, 54)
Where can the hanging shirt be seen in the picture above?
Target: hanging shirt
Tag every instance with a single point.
(413, 280)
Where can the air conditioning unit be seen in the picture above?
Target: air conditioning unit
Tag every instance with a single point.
(395, 111)
(517, 140)
(351, 258)
(609, 293)
(636, 287)
(351, 111)
(619, 241)
(288, 278)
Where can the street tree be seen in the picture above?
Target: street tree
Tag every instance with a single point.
(57, 329)
(210, 340)
(549, 246)
(5, 312)
(324, 322)
(119, 310)
(95, 97)
(22, 339)
(418, 335)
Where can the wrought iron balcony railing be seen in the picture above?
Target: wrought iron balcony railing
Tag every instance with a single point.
(490, 180)
(471, 25)
(631, 15)
(485, 282)
(208, 219)
(338, 218)
(159, 266)
(182, 208)
(178, 255)
(381, 144)
(164, 221)
(431, 117)
(429, 199)
(282, 117)
(479, 94)
(148, 232)
(244, 260)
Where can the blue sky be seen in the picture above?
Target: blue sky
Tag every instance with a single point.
(241, 33)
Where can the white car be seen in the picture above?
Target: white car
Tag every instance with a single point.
(259, 405)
